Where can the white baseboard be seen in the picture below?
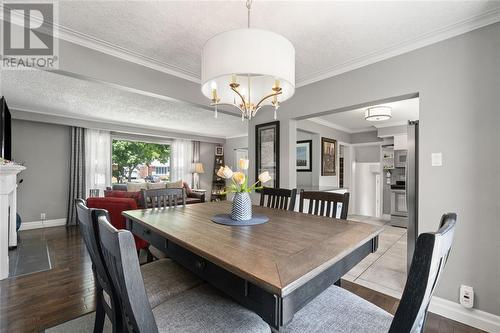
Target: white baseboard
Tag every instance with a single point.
(476, 318)
(42, 224)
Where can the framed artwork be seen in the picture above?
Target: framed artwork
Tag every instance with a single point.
(304, 156)
(267, 154)
(219, 151)
(328, 157)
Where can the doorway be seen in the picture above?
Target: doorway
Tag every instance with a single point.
(377, 164)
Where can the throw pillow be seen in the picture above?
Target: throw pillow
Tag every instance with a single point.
(154, 186)
(136, 187)
(177, 184)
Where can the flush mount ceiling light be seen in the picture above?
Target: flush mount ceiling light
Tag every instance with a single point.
(248, 69)
(378, 113)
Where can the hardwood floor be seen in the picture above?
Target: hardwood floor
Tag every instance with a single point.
(40, 300)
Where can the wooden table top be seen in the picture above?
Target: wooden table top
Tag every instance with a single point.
(278, 256)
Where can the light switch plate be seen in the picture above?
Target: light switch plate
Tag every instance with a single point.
(437, 159)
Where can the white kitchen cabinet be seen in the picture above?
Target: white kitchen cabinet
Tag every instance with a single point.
(401, 142)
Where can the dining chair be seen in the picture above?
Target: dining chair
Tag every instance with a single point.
(324, 203)
(278, 198)
(162, 278)
(107, 303)
(338, 310)
(163, 197)
(200, 309)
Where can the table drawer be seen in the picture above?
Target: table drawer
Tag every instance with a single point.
(148, 235)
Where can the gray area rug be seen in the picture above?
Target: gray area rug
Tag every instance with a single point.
(81, 324)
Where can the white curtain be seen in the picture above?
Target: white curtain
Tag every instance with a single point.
(97, 160)
(181, 159)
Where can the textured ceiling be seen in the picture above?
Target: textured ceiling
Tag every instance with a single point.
(354, 120)
(326, 34)
(61, 95)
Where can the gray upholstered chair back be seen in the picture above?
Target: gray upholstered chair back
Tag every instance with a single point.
(163, 197)
(84, 215)
(87, 218)
(278, 198)
(430, 256)
(120, 256)
(324, 203)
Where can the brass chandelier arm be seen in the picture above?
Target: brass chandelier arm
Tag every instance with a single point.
(241, 96)
(266, 97)
(228, 104)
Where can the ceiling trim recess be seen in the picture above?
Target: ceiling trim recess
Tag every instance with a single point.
(350, 131)
(63, 120)
(456, 29)
(438, 35)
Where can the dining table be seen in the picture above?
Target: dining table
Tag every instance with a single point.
(274, 268)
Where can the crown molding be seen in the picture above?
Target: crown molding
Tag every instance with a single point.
(114, 50)
(459, 28)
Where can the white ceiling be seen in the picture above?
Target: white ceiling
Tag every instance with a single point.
(353, 121)
(60, 95)
(329, 37)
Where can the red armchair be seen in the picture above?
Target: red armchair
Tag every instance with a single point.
(115, 206)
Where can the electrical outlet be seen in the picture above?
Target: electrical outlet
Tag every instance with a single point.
(467, 296)
(42, 216)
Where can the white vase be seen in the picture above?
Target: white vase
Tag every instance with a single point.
(242, 207)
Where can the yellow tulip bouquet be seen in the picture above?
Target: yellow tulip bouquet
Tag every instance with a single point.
(242, 203)
(240, 179)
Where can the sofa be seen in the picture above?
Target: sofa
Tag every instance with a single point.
(115, 206)
(120, 190)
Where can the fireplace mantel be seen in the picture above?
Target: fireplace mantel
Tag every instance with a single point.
(8, 208)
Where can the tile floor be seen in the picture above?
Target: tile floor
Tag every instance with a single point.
(384, 270)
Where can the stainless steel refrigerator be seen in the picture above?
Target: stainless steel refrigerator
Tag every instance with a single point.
(412, 188)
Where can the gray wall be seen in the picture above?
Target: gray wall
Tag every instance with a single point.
(367, 154)
(44, 149)
(303, 177)
(207, 157)
(229, 150)
(458, 81)
(318, 131)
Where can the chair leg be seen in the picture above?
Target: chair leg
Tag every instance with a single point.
(100, 314)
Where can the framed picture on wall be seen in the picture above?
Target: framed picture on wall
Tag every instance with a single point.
(219, 151)
(304, 156)
(328, 157)
(267, 154)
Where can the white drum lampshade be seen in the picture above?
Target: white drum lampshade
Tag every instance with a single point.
(378, 113)
(262, 55)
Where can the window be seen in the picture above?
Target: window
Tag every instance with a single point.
(140, 161)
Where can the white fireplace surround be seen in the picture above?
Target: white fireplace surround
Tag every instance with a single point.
(8, 208)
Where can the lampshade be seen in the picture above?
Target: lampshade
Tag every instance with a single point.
(262, 55)
(378, 113)
(198, 168)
